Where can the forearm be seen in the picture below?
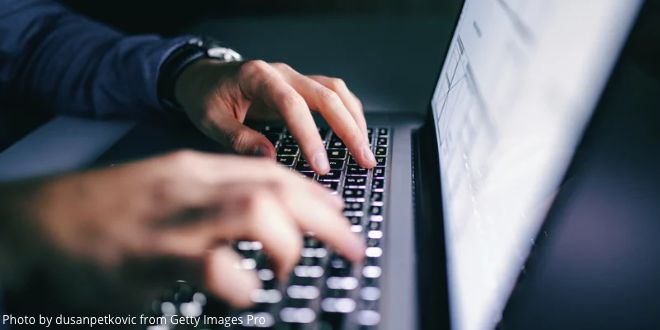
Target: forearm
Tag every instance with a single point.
(65, 63)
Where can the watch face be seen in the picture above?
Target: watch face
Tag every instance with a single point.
(224, 54)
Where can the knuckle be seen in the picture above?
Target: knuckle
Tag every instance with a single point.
(290, 101)
(253, 203)
(183, 157)
(281, 66)
(337, 83)
(254, 67)
(328, 96)
(239, 139)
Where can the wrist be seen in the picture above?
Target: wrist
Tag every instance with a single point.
(180, 60)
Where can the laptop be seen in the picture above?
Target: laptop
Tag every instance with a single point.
(454, 207)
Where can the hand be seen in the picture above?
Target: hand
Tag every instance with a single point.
(219, 96)
(133, 227)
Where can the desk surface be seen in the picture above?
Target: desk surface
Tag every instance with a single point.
(391, 64)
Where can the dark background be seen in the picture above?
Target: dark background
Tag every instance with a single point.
(171, 16)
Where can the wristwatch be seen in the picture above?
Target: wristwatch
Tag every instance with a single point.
(182, 57)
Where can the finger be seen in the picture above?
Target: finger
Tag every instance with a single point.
(203, 167)
(231, 133)
(258, 80)
(349, 99)
(245, 210)
(331, 107)
(324, 221)
(270, 224)
(225, 278)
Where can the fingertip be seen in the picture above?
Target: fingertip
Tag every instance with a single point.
(355, 249)
(228, 280)
(320, 161)
(369, 160)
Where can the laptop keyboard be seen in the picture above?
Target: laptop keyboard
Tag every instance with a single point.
(325, 291)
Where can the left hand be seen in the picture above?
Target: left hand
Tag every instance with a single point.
(218, 97)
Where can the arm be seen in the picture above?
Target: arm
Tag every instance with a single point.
(64, 63)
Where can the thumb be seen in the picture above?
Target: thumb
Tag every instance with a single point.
(227, 280)
(242, 139)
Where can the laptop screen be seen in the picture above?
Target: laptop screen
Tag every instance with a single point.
(518, 86)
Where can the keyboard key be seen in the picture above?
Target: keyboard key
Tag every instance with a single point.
(314, 252)
(302, 292)
(356, 170)
(286, 160)
(381, 142)
(338, 305)
(368, 318)
(380, 161)
(377, 184)
(375, 234)
(287, 150)
(336, 153)
(308, 174)
(266, 275)
(338, 266)
(383, 131)
(381, 151)
(297, 315)
(376, 210)
(379, 172)
(376, 196)
(355, 220)
(374, 225)
(336, 144)
(332, 185)
(353, 206)
(370, 293)
(351, 161)
(336, 164)
(308, 271)
(333, 175)
(261, 296)
(371, 271)
(354, 193)
(355, 181)
(373, 252)
(303, 165)
(341, 283)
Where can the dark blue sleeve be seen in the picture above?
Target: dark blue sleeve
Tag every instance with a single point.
(64, 63)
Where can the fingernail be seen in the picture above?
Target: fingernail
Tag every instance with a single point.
(368, 155)
(320, 160)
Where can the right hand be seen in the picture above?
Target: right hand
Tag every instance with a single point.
(143, 224)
